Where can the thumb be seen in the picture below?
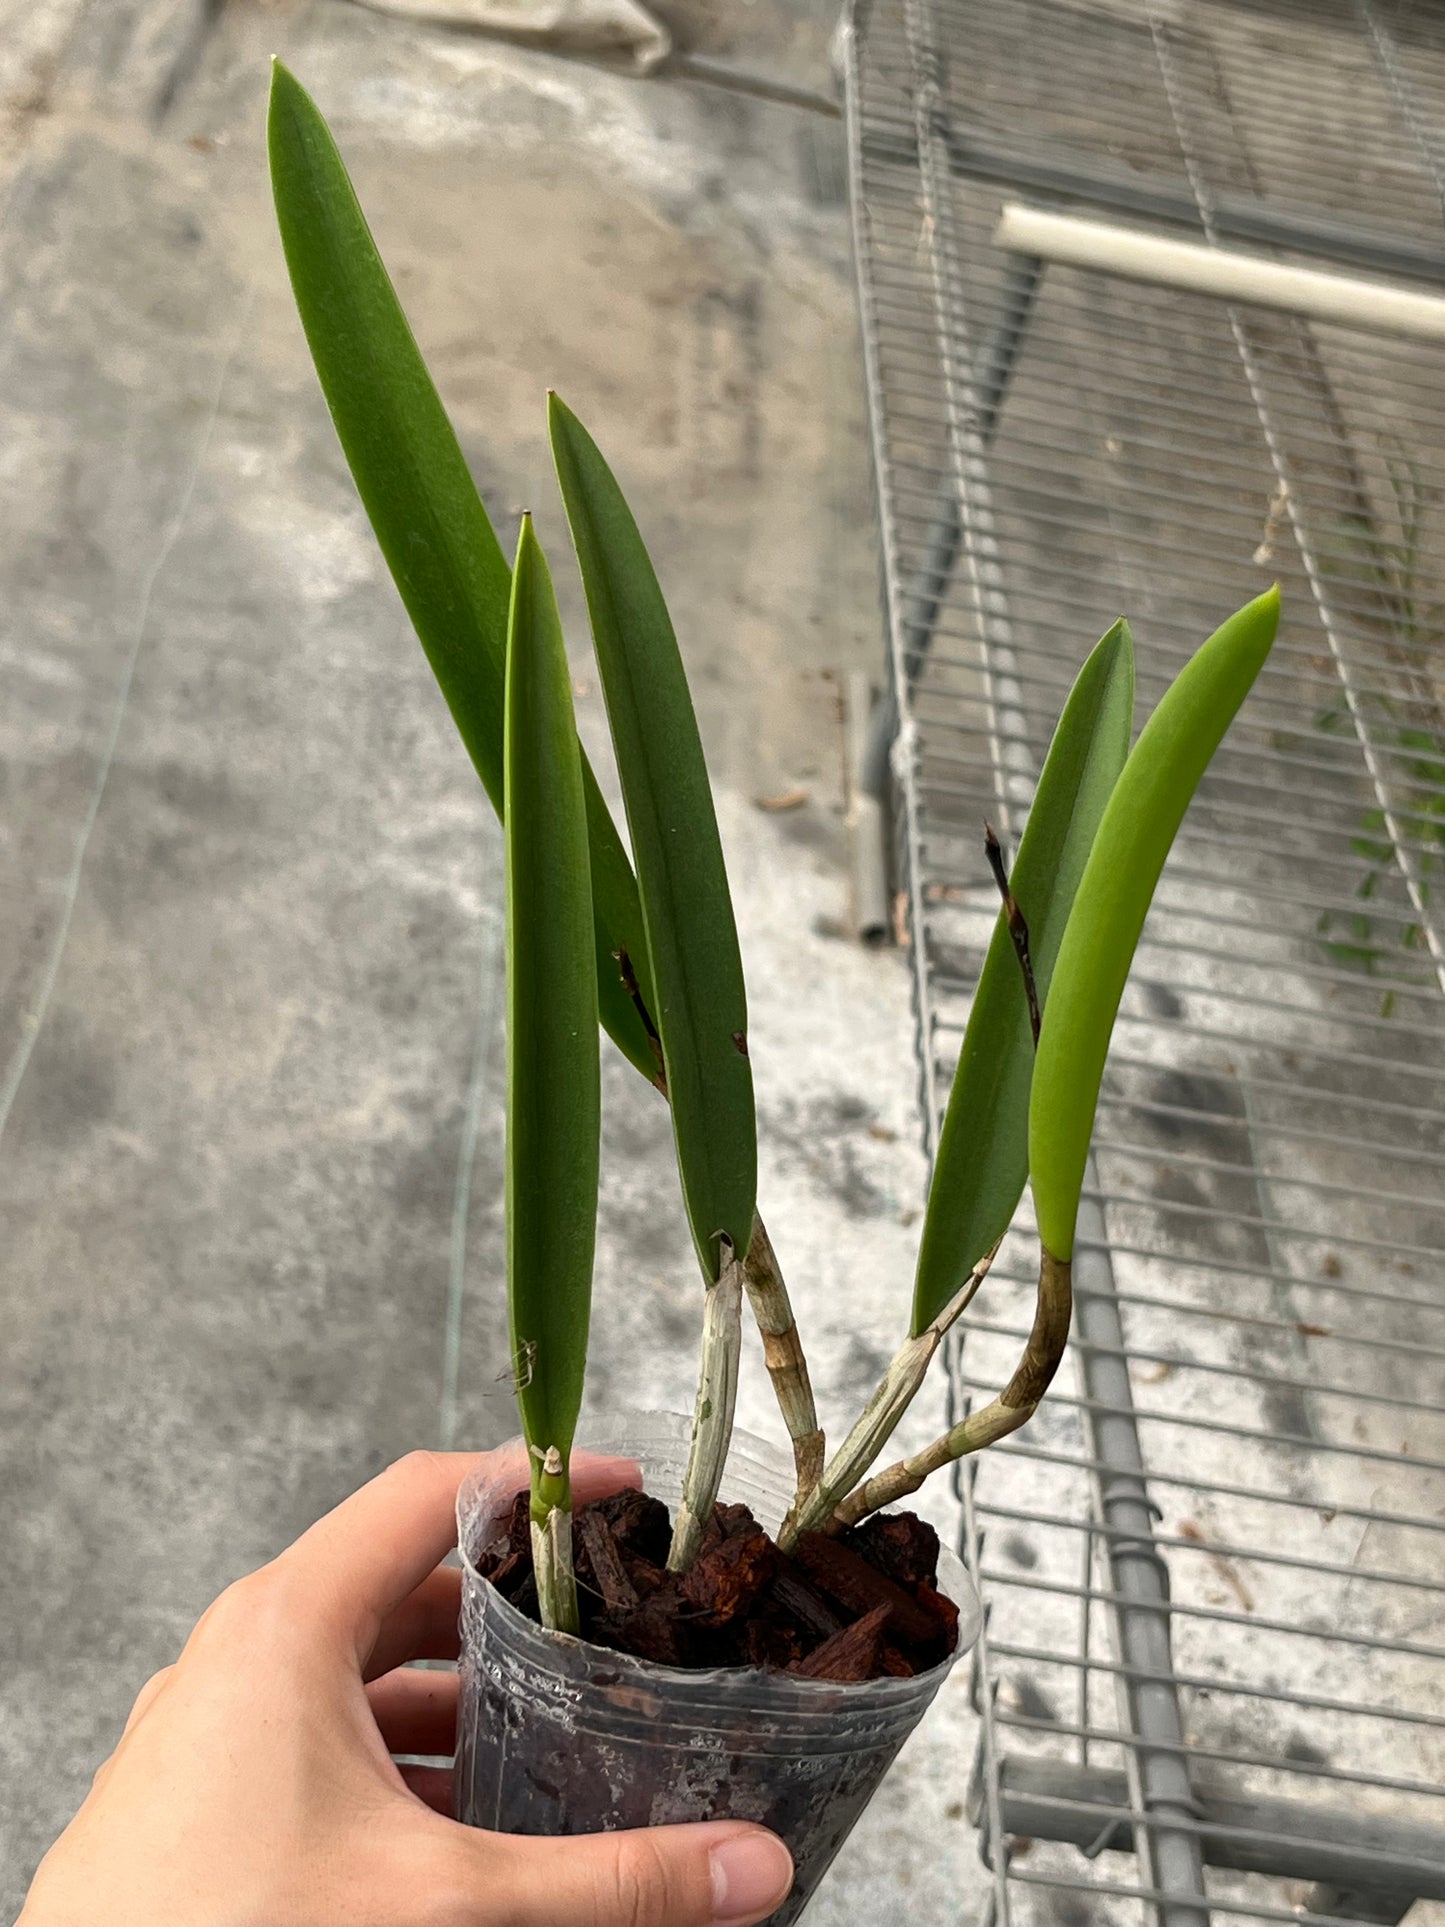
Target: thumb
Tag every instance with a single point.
(718, 1874)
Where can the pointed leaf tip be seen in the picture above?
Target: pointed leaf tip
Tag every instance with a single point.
(982, 1163)
(418, 492)
(700, 1004)
(1134, 838)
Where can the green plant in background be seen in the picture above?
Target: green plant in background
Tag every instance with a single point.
(653, 952)
(1354, 938)
(1393, 567)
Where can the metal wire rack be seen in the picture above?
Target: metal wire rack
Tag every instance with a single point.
(1213, 1675)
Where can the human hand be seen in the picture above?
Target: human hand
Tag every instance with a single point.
(253, 1785)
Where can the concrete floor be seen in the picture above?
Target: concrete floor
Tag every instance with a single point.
(250, 1067)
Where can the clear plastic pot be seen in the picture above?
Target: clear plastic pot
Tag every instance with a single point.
(557, 1736)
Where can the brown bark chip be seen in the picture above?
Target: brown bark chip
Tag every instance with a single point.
(645, 1577)
(638, 1522)
(512, 1574)
(859, 1607)
(772, 1640)
(599, 1564)
(945, 1616)
(903, 1547)
(513, 1537)
(796, 1594)
(727, 1522)
(653, 1630)
(849, 1656)
(722, 1584)
(845, 1576)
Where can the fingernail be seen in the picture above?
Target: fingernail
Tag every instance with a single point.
(751, 1874)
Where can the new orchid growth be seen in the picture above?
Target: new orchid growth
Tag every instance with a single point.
(554, 1096)
(647, 944)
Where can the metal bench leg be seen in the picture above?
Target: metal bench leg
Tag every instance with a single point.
(1139, 1575)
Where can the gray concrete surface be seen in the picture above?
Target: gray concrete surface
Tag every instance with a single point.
(249, 952)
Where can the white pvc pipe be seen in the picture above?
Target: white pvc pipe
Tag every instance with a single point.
(1345, 298)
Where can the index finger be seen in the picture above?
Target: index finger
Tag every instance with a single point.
(363, 1559)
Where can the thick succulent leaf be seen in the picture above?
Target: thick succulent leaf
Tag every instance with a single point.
(700, 1005)
(1143, 815)
(983, 1150)
(553, 1083)
(416, 488)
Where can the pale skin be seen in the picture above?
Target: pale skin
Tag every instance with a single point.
(253, 1785)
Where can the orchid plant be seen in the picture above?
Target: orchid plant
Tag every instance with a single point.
(647, 942)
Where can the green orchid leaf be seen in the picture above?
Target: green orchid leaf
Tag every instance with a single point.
(983, 1152)
(1139, 826)
(418, 492)
(553, 1080)
(700, 1005)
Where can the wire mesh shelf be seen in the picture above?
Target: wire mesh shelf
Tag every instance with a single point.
(1213, 1676)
